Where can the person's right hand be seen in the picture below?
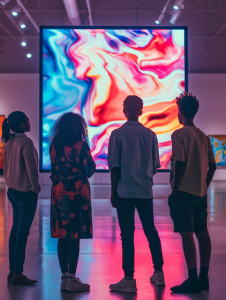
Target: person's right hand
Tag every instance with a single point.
(113, 199)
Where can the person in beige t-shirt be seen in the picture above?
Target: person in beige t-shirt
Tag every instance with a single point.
(193, 167)
(20, 169)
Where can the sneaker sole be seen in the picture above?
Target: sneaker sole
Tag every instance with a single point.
(187, 292)
(127, 290)
(80, 290)
(24, 283)
(63, 288)
(158, 283)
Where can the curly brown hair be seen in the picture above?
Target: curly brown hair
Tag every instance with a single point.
(67, 130)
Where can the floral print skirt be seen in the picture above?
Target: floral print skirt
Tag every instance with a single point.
(71, 212)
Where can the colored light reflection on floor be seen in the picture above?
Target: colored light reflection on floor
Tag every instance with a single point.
(100, 258)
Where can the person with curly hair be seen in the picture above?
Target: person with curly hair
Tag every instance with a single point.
(71, 215)
(133, 159)
(193, 169)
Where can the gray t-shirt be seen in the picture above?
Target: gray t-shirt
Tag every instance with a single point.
(134, 148)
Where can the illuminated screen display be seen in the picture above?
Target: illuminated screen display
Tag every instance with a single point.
(90, 71)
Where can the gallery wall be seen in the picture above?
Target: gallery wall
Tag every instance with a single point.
(21, 92)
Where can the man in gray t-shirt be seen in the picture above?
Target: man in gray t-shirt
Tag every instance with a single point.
(133, 159)
(193, 170)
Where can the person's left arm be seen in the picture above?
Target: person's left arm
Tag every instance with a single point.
(53, 164)
(115, 176)
(212, 164)
(178, 155)
(179, 171)
(87, 161)
(155, 155)
(114, 162)
(30, 158)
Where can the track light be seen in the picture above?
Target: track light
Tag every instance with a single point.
(23, 42)
(28, 54)
(178, 6)
(162, 15)
(23, 22)
(4, 2)
(175, 16)
(160, 18)
(16, 10)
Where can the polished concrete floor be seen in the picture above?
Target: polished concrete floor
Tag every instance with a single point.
(100, 258)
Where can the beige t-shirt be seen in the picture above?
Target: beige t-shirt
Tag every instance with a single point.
(191, 145)
(20, 167)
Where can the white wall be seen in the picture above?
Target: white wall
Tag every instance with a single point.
(21, 92)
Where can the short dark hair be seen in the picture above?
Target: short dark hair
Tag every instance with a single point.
(133, 103)
(188, 104)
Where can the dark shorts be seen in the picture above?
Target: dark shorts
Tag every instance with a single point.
(188, 212)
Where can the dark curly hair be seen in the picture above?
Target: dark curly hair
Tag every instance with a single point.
(67, 130)
(133, 103)
(188, 104)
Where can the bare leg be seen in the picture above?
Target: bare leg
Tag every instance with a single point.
(204, 247)
(189, 249)
(192, 284)
(205, 253)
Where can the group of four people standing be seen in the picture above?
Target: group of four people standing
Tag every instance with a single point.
(133, 159)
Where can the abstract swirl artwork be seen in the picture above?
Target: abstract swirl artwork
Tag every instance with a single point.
(90, 71)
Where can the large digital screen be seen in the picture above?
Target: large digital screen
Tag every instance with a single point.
(90, 71)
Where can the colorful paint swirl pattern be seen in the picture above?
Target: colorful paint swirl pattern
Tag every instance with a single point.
(91, 71)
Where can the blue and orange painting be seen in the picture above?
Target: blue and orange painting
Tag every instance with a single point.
(219, 149)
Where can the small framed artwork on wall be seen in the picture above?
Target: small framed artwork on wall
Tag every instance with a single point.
(2, 118)
(219, 149)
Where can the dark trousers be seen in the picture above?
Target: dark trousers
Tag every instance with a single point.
(125, 210)
(24, 208)
(68, 254)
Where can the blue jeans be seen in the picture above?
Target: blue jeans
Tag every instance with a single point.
(24, 208)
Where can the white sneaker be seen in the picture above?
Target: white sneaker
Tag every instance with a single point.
(158, 278)
(76, 285)
(63, 283)
(124, 285)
